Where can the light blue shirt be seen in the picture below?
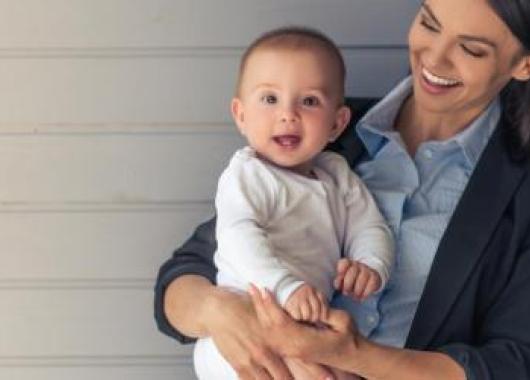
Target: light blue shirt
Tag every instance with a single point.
(417, 195)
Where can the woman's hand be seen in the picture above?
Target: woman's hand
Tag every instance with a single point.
(238, 335)
(323, 345)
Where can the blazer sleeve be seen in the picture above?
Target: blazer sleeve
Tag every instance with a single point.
(194, 257)
(502, 347)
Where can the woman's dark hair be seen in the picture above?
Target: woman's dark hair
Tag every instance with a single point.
(515, 96)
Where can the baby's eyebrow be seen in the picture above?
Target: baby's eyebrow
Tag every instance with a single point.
(259, 86)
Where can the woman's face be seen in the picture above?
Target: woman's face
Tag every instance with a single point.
(462, 55)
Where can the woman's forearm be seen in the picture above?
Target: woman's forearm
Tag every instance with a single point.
(184, 299)
(377, 362)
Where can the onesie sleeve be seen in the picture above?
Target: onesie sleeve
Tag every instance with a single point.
(367, 237)
(246, 204)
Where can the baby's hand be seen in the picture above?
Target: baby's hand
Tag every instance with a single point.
(356, 279)
(307, 304)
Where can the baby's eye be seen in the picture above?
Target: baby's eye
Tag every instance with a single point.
(269, 99)
(310, 101)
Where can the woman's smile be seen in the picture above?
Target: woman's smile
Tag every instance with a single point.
(437, 85)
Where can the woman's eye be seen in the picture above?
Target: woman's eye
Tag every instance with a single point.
(269, 99)
(473, 52)
(310, 101)
(428, 26)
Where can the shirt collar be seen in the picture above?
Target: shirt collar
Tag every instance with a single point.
(375, 129)
(474, 138)
(377, 126)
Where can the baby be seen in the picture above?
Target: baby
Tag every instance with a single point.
(291, 218)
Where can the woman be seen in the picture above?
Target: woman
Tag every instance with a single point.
(446, 156)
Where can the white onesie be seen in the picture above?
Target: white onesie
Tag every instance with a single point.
(279, 229)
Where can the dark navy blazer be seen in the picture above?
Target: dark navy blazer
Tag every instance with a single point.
(476, 303)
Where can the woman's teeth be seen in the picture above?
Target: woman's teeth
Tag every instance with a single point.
(434, 79)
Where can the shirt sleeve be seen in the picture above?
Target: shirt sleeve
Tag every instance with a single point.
(368, 238)
(502, 337)
(194, 257)
(246, 204)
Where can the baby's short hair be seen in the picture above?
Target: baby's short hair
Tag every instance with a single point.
(296, 38)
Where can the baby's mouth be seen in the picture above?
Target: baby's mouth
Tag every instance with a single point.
(287, 141)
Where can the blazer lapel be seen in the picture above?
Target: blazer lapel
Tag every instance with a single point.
(489, 190)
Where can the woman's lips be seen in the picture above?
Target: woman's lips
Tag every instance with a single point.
(287, 141)
(436, 85)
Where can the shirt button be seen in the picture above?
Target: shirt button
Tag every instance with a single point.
(372, 319)
(427, 153)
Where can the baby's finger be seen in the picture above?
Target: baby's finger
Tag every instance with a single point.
(361, 282)
(305, 311)
(374, 282)
(342, 265)
(293, 310)
(350, 279)
(315, 305)
(324, 308)
(338, 281)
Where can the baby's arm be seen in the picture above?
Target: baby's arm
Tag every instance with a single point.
(368, 241)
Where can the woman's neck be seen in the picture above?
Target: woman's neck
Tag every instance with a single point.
(417, 125)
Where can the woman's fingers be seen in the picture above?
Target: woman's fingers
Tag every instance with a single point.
(240, 337)
(267, 309)
(257, 300)
(305, 370)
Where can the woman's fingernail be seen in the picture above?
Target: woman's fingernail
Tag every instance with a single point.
(265, 294)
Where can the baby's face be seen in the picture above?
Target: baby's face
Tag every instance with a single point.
(289, 106)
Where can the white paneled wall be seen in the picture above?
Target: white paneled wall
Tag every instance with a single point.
(114, 126)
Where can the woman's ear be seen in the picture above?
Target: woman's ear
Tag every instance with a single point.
(522, 69)
(238, 114)
(342, 119)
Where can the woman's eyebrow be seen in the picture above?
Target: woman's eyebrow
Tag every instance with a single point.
(465, 37)
(428, 9)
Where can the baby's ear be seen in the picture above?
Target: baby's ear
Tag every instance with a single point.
(342, 119)
(238, 114)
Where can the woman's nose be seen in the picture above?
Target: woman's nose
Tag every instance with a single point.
(438, 54)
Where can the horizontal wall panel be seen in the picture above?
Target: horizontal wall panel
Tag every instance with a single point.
(100, 248)
(194, 23)
(123, 168)
(102, 373)
(179, 89)
(98, 325)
